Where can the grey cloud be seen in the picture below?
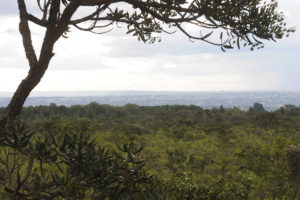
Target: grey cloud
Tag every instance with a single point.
(12, 62)
(9, 7)
(196, 65)
(11, 31)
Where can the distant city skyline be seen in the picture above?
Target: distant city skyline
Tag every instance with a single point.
(116, 61)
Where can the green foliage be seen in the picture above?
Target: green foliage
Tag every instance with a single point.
(266, 120)
(72, 167)
(293, 157)
(237, 23)
(188, 153)
(257, 107)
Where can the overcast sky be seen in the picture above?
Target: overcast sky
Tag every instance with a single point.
(116, 61)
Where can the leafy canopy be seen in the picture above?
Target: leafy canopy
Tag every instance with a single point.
(238, 22)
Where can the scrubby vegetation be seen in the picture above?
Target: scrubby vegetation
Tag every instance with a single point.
(162, 152)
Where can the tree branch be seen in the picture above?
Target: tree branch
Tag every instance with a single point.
(36, 20)
(26, 34)
(96, 2)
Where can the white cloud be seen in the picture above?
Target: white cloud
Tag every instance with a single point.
(194, 72)
(10, 78)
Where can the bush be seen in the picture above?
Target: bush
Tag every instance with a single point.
(70, 166)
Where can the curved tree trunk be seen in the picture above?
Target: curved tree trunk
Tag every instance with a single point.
(39, 66)
(26, 86)
(34, 76)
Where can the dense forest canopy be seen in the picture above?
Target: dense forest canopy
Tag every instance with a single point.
(215, 154)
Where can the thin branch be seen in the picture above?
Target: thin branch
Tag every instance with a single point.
(194, 37)
(96, 2)
(91, 16)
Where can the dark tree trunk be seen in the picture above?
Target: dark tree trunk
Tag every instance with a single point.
(37, 67)
(56, 25)
(35, 74)
(26, 86)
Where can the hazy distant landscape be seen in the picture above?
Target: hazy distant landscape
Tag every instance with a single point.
(271, 100)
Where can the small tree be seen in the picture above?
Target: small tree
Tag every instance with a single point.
(257, 107)
(238, 22)
(293, 158)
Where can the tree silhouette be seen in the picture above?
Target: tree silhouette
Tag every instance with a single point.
(238, 22)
